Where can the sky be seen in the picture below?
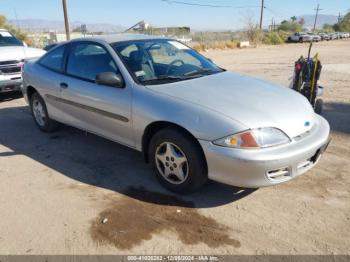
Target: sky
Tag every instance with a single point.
(162, 13)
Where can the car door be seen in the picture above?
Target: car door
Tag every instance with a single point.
(100, 109)
(47, 79)
(296, 37)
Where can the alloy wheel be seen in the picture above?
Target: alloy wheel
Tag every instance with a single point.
(171, 163)
(39, 112)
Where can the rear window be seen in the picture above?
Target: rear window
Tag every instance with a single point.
(54, 59)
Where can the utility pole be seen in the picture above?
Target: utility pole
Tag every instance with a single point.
(66, 23)
(317, 10)
(271, 26)
(339, 18)
(261, 13)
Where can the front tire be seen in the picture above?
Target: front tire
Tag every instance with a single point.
(177, 161)
(40, 115)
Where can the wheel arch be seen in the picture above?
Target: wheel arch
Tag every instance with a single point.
(30, 90)
(155, 127)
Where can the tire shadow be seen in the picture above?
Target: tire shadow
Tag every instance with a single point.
(338, 116)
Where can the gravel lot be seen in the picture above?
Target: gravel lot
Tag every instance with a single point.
(56, 188)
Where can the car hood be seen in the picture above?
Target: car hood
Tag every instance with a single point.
(8, 53)
(249, 101)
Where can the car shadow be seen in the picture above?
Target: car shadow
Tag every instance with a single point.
(338, 116)
(99, 162)
(10, 96)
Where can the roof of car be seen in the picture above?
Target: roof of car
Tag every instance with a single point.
(120, 37)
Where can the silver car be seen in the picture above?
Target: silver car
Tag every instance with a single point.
(191, 119)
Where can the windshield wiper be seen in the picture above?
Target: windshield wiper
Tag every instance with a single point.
(163, 78)
(200, 71)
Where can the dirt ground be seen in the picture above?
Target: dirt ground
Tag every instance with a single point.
(72, 193)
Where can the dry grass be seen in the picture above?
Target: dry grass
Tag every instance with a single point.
(218, 45)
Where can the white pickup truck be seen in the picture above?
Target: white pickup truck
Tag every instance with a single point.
(300, 37)
(13, 53)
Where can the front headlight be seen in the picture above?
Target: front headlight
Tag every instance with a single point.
(254, 138)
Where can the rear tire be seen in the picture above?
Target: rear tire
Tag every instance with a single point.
(319, 106)
(40, 114)
(177, 161)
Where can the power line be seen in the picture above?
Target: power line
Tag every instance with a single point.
(280, 15)
(208, 5)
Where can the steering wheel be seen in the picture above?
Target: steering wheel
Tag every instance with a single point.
(171, 65)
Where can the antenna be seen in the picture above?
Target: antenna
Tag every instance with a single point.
(14, 10)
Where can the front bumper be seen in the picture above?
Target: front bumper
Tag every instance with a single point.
(255, 168)
(10, 83)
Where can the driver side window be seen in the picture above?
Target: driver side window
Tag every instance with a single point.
(86, 60)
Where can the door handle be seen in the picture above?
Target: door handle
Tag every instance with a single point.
(64, 85)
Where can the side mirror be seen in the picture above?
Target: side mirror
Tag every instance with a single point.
(110, 79)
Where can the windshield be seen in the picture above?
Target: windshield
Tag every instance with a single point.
(162, 60)
(7, 39)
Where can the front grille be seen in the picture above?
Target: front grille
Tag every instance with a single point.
(10, 67)
(9, 62)
(10, 70)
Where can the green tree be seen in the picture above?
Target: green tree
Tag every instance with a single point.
(344, 24)
(2, 20)
(293, 18)
(290, 26)
(77, 29)
(328, 28)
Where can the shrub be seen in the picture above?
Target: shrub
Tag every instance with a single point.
(231, 44)
(272, 38)
(220, 45)
(197, 48)
(254, 34)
